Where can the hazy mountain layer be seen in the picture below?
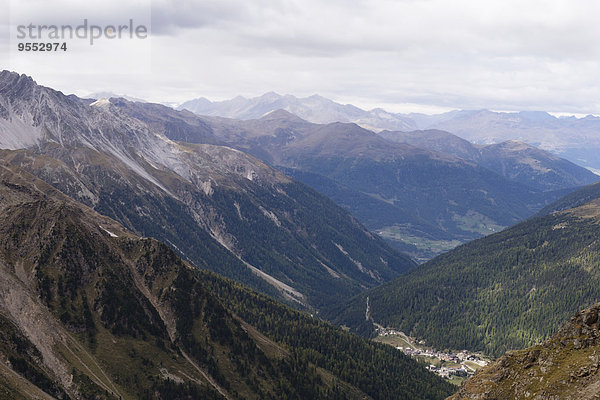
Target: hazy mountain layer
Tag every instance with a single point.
(315, 109)
(576, 139)
(514, 160)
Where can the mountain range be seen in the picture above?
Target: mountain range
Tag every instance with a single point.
(421, 199)
(219, 208)
(315, 109)
(576, 139)
(93, 304)
(515, 160)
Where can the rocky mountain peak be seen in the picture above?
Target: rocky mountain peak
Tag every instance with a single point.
(584, 326)
(9, 79)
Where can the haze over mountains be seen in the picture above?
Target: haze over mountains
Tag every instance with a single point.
(576, 139)
(315, 109)
(515, 160)
(424, 197)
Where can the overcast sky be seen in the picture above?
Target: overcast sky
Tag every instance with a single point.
(408, 55)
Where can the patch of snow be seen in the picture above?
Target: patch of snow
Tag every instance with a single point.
(101, 103)
(107, 231)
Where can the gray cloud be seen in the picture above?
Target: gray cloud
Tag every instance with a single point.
(453, 54)
(169, 18)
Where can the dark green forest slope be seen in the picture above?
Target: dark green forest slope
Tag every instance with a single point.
(505, 291)
(90, 311)
(379, 370)
(572, 200)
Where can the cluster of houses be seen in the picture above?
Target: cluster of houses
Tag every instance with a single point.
(461, 368)
(464, 361)
(446, 372)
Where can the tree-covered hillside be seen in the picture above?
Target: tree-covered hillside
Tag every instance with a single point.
(89, 310)
(505, 291)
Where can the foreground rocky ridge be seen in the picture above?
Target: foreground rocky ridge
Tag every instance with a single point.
(563, 367)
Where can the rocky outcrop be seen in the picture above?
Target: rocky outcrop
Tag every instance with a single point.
(563, 367)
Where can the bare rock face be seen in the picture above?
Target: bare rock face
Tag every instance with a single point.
(563, 367)
(220, 208)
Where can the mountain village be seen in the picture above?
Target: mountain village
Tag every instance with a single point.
(461, 364)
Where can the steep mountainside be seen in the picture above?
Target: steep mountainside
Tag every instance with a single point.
(505, 291)
(514, 160)
(89, 310)
(563, 367)
(424, 202)
(315, 108)
(218, 207)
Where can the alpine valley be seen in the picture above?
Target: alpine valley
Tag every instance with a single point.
(94, 307)
(424, 192)
(503, 292)
(148, 252)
